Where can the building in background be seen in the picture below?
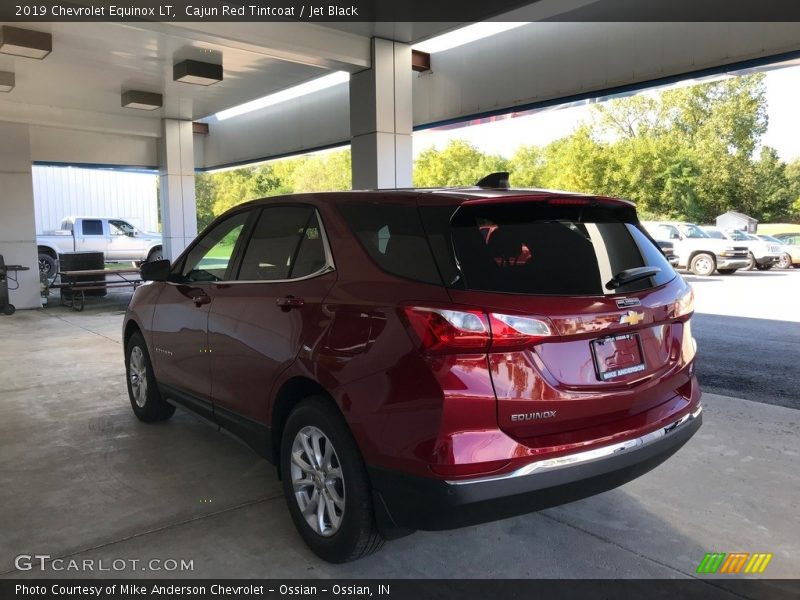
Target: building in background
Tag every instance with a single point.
(65, 191)
(737, 220)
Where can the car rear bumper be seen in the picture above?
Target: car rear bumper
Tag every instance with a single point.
(409, 502)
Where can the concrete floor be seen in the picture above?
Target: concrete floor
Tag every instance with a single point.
(83, 479)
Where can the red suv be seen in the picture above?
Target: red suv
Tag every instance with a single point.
(405, 370)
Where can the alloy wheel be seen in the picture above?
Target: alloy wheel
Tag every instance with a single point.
(137, 373)
(317, 481)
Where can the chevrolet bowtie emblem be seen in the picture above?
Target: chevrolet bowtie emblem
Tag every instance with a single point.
(631, 318)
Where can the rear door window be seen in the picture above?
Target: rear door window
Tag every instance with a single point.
(92, 227)
(286, 243)
(533, 248)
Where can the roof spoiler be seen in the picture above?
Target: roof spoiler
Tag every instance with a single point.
(495, 180)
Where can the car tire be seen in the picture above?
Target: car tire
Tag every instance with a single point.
(333, 477)
(751, 262)
(146, 400)
(727, 271)
(155, 254)
(47, 265)
(703, 264)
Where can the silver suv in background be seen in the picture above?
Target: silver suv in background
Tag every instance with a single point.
(761, 255)
(697, 251)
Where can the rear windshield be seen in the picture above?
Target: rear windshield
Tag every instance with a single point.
(521, 248)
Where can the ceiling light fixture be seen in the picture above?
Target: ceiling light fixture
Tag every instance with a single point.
(142, 100)
(6, 81)
(196, 72)
(303, 89)
(25, 42)
(465, 35)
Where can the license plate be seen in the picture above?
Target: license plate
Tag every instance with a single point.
(617, 356)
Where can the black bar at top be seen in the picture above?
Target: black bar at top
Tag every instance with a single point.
(455, 11)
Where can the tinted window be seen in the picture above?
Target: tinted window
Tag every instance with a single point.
(286, 244)
(209, 259)
(663, 232)
(394, 238)
(691, 230)
(92, 227)
(535, 249)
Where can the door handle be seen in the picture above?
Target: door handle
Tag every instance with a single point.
(290, 302)
(201, 299)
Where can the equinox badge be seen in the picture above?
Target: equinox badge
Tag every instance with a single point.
(545, 414)
(631, 318)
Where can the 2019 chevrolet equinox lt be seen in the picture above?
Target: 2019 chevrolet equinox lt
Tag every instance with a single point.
(423, 359)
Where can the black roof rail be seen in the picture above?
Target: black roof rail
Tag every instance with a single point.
(495, 180)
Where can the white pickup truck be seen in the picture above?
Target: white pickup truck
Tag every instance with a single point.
(117, 239)
(697, 251)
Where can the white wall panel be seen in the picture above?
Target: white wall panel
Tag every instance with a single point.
(311, 121)
(64, 191)
(52, 144)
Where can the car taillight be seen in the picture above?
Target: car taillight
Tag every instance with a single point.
(443, 331)
(510, 331)
(684, 305)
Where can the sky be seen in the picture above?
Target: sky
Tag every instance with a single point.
(504, 134)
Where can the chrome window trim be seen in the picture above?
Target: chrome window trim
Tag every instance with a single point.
(587, 456)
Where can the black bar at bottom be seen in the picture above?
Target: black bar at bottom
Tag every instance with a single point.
(728, 588)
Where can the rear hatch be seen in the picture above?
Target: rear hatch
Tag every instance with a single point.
(609, 305)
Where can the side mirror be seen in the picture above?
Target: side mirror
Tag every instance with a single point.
(158, 270)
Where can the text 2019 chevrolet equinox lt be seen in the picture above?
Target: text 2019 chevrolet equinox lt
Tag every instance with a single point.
(423, 359)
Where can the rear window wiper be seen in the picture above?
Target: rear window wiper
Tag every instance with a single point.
(631, 275)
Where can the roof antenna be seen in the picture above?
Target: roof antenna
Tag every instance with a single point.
(495, 180)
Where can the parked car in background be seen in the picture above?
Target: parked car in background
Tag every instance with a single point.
(696, 250)
(761, 255)
(789, 238)
(117, 239)
(406, 368)
(668, 248)
(790, 252)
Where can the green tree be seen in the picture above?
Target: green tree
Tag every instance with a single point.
(792, 173)
(688, 152)
(458, 163)
(329, 172)
(526, 167)
(205, 192)
(770, 198)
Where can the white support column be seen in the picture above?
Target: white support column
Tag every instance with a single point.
(17, 215)
(381, 118)
(176, 170)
